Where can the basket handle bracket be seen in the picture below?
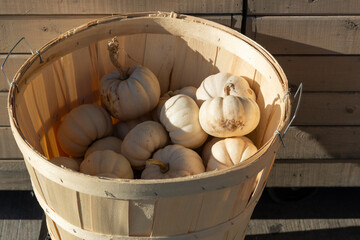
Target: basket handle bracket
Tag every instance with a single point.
(10, 52)
(297, 94)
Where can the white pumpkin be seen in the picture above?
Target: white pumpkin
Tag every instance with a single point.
(128, 95)
(107, 163)
(206, 150)
(173, 161)
(106, 143)
(70, 163)
(213, 86)
(229, 116)
(82, 126)
(140, 143)
(122, 128)
(228, 152)
(180, 116)
(188, 91)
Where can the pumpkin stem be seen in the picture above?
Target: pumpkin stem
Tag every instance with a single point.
(164, 167)
(228, 88)
(113, 47)
(171, 93)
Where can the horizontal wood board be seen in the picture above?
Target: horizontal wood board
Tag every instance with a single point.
(329, 109)
(325, 35)
(13, 175)
(280, 227)
(322, 73)
(8, 146)
(20, 229)
(38, 30)
(83, 7)
(323, 142)
(303, 7)
(315, 173)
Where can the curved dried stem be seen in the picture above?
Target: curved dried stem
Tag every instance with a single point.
(164, 167)
(113, 48)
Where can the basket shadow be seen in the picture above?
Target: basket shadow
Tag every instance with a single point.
(278, 45)
(19, 205)
(317, 203)
(320, 212)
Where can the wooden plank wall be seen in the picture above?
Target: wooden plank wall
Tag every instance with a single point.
(316, 43)
(40, 21)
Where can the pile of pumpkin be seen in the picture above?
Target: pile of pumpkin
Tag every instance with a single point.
(182, 133)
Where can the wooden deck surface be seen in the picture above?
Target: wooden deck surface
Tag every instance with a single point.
(322, 213)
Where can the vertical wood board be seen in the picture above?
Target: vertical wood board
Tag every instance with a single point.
(174, 216)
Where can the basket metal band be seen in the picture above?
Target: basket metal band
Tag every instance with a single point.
(3, 64)
(89, 235)
(298, 92)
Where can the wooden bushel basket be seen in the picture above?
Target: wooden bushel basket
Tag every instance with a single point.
(181, 51)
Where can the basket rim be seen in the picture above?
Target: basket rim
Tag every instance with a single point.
(255, 161)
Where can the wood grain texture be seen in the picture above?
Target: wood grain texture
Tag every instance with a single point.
(4, 116)
(38, 30)
(324, 142)
(20, 229)
(302, 7)
(11, 66)
(329, 109)
(316, 109)
(315, 173)
(306, 34)
(8, 146)
(116, 7)
(285, 173)
(303, 228)
(13, 175)
(322, 73)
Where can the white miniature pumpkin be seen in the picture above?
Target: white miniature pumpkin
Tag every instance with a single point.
(140, 143)
(180, 116)
(188, 91)
(206, 150)
(106, 143)
(81, 126)
(229, 151)
(229, 116)
(171, 162)
(107, 163)
(128, 94)
(213, 86)
(123, 127)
